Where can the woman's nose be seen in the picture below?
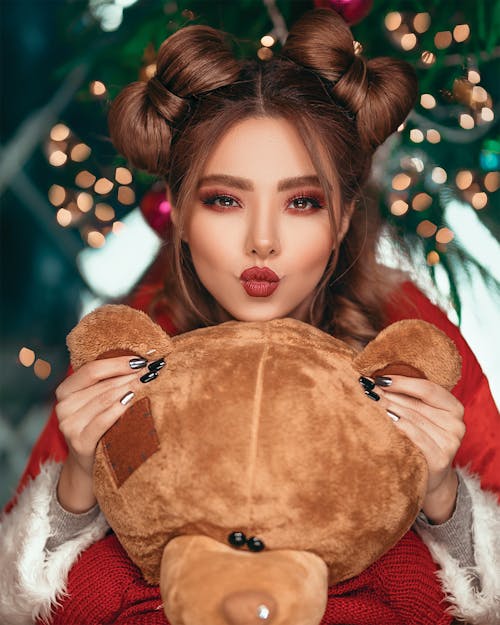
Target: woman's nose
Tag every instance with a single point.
(263, 235)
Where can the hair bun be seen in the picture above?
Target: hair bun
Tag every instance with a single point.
(193, 61)
(380, 92)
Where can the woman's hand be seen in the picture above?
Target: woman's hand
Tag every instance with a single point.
(89, 402)
(433, 419)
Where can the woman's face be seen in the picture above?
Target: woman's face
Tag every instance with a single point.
(260, 205)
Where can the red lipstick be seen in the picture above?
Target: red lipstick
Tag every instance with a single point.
(259, 281)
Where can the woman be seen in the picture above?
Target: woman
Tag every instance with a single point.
(265, 165)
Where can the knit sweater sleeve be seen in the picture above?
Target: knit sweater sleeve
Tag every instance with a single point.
(39, 543)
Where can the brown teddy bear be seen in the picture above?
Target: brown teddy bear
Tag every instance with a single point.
(254, 472)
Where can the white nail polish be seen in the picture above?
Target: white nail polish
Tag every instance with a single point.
(393, 416)
(126, 398)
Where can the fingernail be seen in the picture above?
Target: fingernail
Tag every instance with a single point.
(367, 384)
(393, 416)
(126, 398)
(372, 395)
(156, 365)
(147, 377)
(137, 363)
(383, 380)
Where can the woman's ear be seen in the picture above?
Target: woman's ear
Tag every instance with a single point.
(345, 220)
(174, 215)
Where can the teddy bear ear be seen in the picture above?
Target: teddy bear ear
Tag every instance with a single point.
(116, 330)
(414, 348)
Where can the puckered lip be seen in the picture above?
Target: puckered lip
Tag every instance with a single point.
(259, 273)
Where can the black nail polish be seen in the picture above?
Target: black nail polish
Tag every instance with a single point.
(147, 377)
(383, 380)
(372, 395)
(156, 365)
(367, 384)
(137, 363)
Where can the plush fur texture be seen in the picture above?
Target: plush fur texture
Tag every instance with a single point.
(121, 329)
(40, 575)
(263, 428)
(478, 607)
(415, 344)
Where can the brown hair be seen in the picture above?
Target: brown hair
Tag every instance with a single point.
(342, 106)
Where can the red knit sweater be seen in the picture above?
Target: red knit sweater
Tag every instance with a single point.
(106, 588)
(399, 589)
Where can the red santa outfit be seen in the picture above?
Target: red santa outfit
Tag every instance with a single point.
(89, 578)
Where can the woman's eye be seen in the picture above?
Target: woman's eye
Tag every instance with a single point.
(305, 203)
(221, 201)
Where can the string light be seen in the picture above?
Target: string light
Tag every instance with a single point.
(97, 88)
(59, 132)
(57, 158)
(433, 258)
(439, 175)
(267, 41)
(466, 121)
(426, 229)
(95, 239)
(85, 179)
(123, 175)
(417, 164)
(433, 136)
(26, 356)
(117, 227)
(428, 57)
(42, 369)
(463, 179)
(408, 41)
(393, 20)
(421, 22)
(104, 212)
(479, 200)
(473, 76)
(84, 201)
(358, 47)
(264, 54)
(428, 101)
(416, 135)
(80, 152)
(444, 235)
(487, 115)
(57, 194)
(479, 94)
(442, 39)
(150, 70)
(401, 126)
(64, 217)
(401, 181)
(461, 32)
(126, 195)
(399, 207)
(103, 186)
(492, 181)
(421, 202)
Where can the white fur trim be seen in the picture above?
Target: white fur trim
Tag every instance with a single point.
(32, 579)
(474, 592)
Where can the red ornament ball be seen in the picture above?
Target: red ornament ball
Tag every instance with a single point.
(352, 11)
(156, 209)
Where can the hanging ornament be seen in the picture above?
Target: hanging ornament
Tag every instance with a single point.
(156, 209)
(352, 11)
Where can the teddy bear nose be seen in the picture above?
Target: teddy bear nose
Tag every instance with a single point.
(249, 608)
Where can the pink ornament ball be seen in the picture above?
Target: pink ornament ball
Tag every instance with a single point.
(156, 209)
(352, 11)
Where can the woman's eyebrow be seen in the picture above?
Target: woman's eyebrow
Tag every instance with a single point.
(246, 185)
